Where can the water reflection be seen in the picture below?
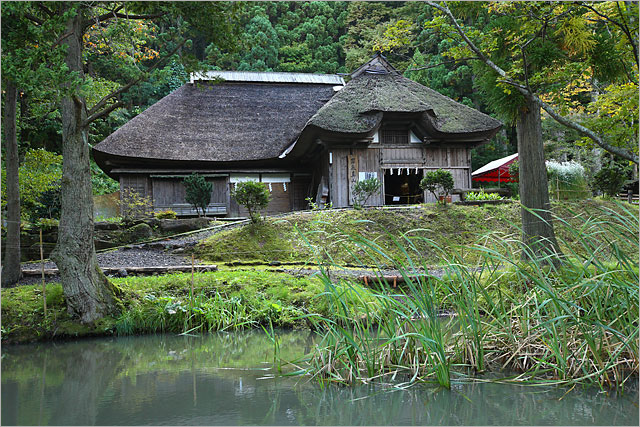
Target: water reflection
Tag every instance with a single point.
(225, 379)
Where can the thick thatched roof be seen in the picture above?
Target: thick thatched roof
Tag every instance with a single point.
(376, 88)
(229, 121)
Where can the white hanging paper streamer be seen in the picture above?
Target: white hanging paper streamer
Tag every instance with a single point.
(284, 185)
(408, 171)
(270, 189)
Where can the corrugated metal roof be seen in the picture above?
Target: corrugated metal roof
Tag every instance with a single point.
(269, 77)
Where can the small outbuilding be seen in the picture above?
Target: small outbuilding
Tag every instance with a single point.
(496, 171)
(303, 135)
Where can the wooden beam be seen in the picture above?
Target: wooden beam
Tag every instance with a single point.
(132, 270)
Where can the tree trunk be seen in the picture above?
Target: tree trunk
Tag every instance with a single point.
(537, 226)
(11, 263)
(89, 295)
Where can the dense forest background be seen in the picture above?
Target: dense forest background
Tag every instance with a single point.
(310, 37)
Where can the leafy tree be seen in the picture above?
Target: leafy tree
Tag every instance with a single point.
(198, 192)
(48, 204)
(287, 36)
(252, 195)
(86, 70)
(439, 183)
(101, 183)
(363, 190)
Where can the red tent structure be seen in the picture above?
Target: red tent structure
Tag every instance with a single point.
(495, 171)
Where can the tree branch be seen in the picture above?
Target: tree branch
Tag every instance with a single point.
(33, 18)
(100, 104)
(104, 112)
(150, 16)
(471, 45)
(426, 67)
(45, 9)
(115, 14)
(625, 154)
(105, 16)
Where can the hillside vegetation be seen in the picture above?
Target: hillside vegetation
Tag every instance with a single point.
(380, 236)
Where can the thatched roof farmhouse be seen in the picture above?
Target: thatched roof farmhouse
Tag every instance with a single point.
(305, 135)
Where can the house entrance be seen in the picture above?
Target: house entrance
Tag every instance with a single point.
(402, 186)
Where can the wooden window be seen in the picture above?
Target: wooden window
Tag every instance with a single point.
(394, 136)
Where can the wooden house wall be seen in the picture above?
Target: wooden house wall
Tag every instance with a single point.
(344, 173)
(169, 193)
(285, 197)
(378, 158)
(139, 183)
(301, 189)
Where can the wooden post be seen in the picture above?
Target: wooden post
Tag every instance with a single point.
(630, 196)
(44, 287)
(192, 269)
(557, 188)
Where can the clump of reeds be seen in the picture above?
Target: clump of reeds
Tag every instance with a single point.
(570, 321)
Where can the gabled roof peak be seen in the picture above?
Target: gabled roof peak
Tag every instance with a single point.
(378, 64)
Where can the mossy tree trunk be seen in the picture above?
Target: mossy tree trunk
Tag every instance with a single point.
(537, 224)
(89, 295)
(11, 263)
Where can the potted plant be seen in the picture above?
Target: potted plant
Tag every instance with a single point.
(439, 183)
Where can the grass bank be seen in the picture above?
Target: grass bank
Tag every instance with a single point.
(435, 228)
(221, 300)
(573, 321)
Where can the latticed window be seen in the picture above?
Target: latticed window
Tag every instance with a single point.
(394, 136)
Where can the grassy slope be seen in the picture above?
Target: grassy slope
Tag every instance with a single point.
(233, 298)
(296, 237)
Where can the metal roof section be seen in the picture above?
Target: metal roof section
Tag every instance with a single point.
(494, 164)
(267, 77)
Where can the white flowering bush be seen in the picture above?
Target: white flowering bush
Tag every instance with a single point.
(567, 180)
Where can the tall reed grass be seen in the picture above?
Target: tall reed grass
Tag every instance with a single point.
(575, 321)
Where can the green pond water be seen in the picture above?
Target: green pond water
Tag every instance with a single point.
(227, 379)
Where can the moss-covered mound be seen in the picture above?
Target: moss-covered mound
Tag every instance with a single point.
(221, 300)
(380, 236)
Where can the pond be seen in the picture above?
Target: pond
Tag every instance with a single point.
(229, 379)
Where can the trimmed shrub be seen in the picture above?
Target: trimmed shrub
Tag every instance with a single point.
(166, 214)
(438, 183)
(252, 195)
(611, 178)
(198, 192)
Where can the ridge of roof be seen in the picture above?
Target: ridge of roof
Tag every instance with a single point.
(378, 64)
(267, 77)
